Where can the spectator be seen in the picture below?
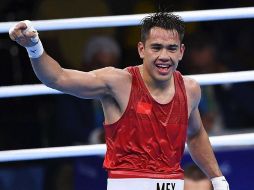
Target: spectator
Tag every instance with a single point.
(202, 59)
(99, 52)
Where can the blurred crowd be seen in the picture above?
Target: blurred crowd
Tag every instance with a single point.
(62, 120)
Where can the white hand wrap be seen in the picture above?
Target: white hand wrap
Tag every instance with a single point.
(30, 28)
(36, 50)
(220, 183)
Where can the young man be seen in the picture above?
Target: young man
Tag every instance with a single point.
(149, 109)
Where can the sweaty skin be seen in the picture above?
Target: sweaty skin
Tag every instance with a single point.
(160, 53)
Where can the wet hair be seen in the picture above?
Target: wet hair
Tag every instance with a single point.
(165, 20)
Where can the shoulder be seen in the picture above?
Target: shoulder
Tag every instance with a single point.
(112, 76)
(191, 85)
(111, 73)
(192, 89)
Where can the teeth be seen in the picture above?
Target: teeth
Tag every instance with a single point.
(163, 66)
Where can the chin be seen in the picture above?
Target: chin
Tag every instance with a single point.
(163, 78)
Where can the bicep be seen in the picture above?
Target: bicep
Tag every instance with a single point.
(194, 96)
(83, 84)
(195, 123)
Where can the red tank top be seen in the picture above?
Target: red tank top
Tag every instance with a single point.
(148, 140)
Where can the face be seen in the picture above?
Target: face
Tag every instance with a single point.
(161, 53)
(203, 184)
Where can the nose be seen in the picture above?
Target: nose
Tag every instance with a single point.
(164, 55)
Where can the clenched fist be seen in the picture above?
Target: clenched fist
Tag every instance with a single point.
(25, 35)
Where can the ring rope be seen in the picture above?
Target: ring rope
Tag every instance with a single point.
(219, 143)
(203, 79)
(133, 20)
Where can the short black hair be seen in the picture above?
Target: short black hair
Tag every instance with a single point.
(165, 20)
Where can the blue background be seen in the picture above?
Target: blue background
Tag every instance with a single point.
(236, 165)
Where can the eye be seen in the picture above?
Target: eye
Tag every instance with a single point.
(172, 48)
(156, 48)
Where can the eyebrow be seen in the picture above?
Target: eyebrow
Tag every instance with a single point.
(173, 46)
(167, 46)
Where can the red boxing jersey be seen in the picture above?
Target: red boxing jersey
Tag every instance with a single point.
(148, 141)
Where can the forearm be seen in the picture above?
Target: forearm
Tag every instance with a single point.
(202, 153)
(94, 84)
(47, 69)
(198, 142)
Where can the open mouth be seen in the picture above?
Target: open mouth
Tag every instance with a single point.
(163, 68)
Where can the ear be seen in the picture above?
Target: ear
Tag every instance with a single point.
(182, 49)
(141, 48)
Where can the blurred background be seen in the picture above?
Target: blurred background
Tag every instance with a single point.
(62, 120)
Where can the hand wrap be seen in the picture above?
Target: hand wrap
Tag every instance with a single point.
(220, 183)
(35, 48)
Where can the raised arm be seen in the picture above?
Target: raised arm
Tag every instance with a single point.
(198, 142)
(92, 84)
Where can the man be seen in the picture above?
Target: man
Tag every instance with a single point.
(195, 179)
(149, 109)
